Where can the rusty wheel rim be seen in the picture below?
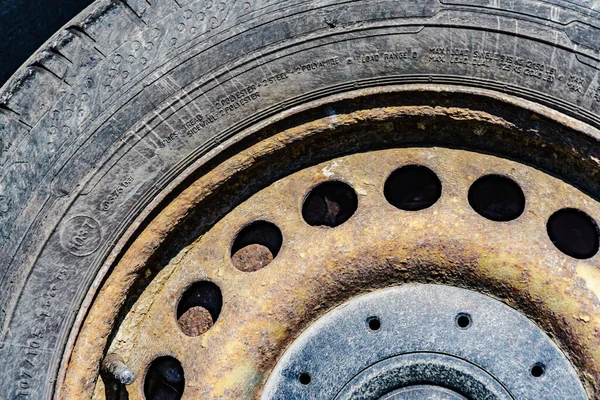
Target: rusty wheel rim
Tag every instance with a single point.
(449, 242)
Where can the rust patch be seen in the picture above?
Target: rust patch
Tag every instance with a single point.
(195, 321)
(591, 276)
(252, 258)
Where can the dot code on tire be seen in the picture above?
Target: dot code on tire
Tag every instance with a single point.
(199, 308)
(574, 233)
(256, 246)
(412, 188)
(497, 198)
(329, 204)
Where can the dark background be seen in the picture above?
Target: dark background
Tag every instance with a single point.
(26, 24)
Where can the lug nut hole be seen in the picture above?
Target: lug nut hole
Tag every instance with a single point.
(497, 198)
(164, 380)
(199, 308)
(256, 246)
(574, 233)
(537, 370)
(329, 204)
(412, 188)
(463, 321)
(374, 323)
(305, 378)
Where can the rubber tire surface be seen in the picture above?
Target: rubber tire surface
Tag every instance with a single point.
(120, 103)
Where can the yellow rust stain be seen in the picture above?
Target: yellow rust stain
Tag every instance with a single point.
(242, 370)
(591, 276)
(500, 266)
(237, 377)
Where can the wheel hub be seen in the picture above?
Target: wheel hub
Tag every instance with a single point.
(432, 337)
(423, 392)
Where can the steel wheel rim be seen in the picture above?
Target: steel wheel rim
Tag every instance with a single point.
(327, 123)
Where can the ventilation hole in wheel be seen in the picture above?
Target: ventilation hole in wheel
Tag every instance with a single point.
(329, 204)
(305, 378)
(497, 198)
(574, 233)
(256, 246)
(164, 380)
(412, 188)
(463, 320)
(538, 370)
(199, 308)
(374, 323)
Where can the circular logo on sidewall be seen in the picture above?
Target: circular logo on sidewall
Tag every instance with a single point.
(81, 236)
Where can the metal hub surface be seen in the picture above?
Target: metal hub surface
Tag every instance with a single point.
(440, 336)
(421, 392)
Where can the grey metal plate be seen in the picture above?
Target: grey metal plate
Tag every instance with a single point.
(422, 319)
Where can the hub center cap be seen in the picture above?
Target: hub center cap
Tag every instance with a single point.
(421, 392)
(423, 341)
